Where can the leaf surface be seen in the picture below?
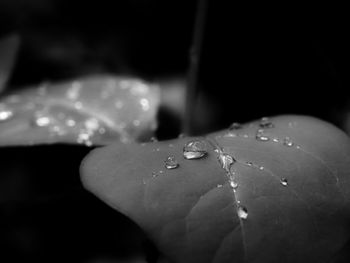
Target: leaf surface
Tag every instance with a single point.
(95, 110)
(294, 188)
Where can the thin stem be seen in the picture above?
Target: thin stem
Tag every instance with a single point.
(194, 58)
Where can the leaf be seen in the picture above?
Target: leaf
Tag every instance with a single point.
(95, 110)
(8, 51)
(291, 203)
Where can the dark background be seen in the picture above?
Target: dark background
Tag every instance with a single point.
(256, 61)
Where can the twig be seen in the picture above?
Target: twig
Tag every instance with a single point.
(194, 58)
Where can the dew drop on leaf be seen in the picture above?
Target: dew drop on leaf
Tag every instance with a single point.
(171, 163)
(261, 137)
(233, 184)
(5, 113)
(242, 212)
(235, 126)
(226, 161)
(266, 123)
(284, 182)
(42, 121)
(194, 150)
(288, 142)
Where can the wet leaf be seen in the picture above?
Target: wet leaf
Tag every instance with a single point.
(195, 213)
(95, 110)
(8, 51)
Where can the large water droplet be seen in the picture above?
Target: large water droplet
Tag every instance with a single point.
(242, 212)
(171, 163)
(5, 113)
(288, 142)
(266, 123)
(284, 181)
(194, 150)
(235, 126)
(226, 161)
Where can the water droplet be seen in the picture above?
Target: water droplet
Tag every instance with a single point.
(5, 113)
(233, 184)
(235, 126)
(92, 124)
(249, 163)
(219, 186)
(226, 161)
(70, 122)
(266, 123)
(42, 121)
(194, 150)
(136, 122)
(261, 168)
(242, 212)
(284, 182)
(288, 142)
(261, 137)
(275, 140)
(171, 163)
(144, 104)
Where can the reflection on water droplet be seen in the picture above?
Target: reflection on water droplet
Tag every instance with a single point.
(226, 161)
(219, 186)
(288, 142)
(70, 122)
(266, 123)
(284, 182)
(194, 150)
(261, 137)
(171, 163)
(144, 104)
(275, 140)
(42, 121)
(242, 212)
(235, 126)
(5, 114)
(233, 184)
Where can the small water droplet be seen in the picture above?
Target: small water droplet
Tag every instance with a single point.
(70, 122)
(43, 121)
(288, 142)
(153, 139)
(144, 104)
(249, 163)
(233, 184)
(284, 182)
(261, 168)
(261, 137)
(194, 150)
(171, 163)
(5, 114)
(181, 135)
(275, 140)
(235, 126)
(242, 212)
(266, 123)
(219, 186)
(226, 161)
